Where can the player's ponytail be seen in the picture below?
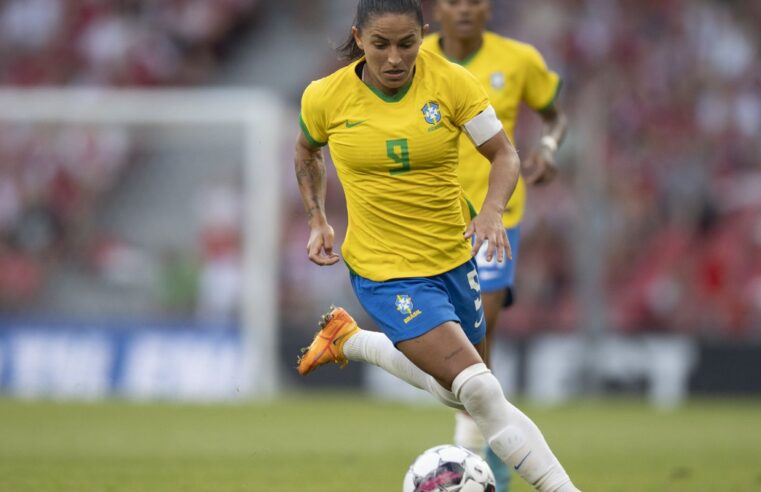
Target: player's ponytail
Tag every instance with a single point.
(349, 50)
(367, 8)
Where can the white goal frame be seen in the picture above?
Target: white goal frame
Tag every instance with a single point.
(260, 115)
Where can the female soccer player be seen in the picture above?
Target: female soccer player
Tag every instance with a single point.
(392, 119)
(511, 72)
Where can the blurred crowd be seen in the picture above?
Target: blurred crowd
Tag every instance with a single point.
(115, 42)
(50, 182)
(676, 86)
(52, 177)
(680, 201)
(664, 98)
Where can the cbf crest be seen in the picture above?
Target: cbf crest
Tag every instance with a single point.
(404, 304)
(431, 112)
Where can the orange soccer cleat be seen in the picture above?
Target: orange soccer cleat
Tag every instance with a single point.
(336, 327)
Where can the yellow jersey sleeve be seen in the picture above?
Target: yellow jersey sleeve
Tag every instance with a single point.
(468, 95)
(313, 118)
(542, 84)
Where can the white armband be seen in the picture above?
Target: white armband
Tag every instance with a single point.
(483, 126)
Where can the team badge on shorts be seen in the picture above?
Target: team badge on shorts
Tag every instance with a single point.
(431, 112)
(404, 305)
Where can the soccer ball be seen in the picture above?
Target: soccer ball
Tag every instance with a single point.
(449, 468)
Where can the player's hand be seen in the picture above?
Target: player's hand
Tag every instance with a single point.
(320, 245)
(540, 166)
(488, 227)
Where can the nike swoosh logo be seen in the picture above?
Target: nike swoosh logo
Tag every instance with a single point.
(521, 462)
(338, 339)
(352, 124)
(478, 323)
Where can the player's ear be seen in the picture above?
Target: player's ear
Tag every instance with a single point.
(426, 29)
(357, 37)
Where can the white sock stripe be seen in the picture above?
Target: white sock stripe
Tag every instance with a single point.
(467, 374)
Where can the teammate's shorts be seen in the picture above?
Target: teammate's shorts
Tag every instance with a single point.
(409, 307)
(496, 276)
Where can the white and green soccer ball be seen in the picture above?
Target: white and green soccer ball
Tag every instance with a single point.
(449, 468)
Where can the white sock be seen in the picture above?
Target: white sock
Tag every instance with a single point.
(510, 433)
(468, 435)
(375, 348)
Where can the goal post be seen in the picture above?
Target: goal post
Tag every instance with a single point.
(259, 116)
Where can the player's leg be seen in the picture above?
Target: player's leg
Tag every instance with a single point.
(496, 280)
(466, 433)
(443, 352)
(403, 309)
(448, 359)
(494, 303)
(395, 306)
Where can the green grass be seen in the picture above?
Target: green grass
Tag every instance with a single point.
(345, 443)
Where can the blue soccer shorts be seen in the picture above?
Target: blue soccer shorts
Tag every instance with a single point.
(409, 307)
(495, 276)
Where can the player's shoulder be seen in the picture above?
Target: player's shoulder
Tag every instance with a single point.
(498, 44)
(437, 66)
(431, 42)
(331, 85)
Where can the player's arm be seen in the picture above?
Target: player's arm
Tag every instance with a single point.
(540, 166)
(310, 173)
(487, 225)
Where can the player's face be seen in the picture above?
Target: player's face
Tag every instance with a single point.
(462, 19)
(391, 43)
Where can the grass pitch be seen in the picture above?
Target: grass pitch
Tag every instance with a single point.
(352, 444)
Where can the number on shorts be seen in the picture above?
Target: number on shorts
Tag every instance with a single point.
(473, 281)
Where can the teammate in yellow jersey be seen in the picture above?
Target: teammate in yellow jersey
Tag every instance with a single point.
(511, 72)
(392, 119)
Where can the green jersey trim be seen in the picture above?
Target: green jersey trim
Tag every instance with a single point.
(396, 97)
(465, 61)
(471, 209)
(308, 136)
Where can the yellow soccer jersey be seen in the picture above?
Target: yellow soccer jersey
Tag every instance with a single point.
(511, 72)
(397, 160)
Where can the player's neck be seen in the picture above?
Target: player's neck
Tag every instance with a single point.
(366, 77)
(460, 49)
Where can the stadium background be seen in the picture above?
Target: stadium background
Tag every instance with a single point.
(121, 249)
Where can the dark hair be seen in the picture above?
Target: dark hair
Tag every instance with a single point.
(368, 8)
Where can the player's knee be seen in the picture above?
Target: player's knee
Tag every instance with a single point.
(444, 396)
(476, 384)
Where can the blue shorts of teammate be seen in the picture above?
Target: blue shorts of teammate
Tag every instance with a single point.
(409, 307)
(495, 276)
